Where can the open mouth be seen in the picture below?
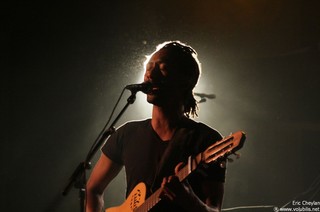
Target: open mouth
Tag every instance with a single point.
(154, 90)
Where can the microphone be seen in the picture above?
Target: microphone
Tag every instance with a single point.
(145, 87)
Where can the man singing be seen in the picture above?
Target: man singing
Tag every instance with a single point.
(153, 150)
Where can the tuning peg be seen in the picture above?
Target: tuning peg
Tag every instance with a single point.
(237, 155)
(223, 164)
(230, 160)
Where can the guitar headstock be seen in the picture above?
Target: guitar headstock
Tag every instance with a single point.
(223, 148)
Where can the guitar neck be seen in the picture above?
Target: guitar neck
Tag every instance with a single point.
(192, 164)
(182, 174)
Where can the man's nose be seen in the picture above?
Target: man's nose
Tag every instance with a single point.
(153, 73)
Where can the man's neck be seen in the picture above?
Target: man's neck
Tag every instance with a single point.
(165, 122)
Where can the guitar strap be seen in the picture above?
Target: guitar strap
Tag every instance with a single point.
(178, 150)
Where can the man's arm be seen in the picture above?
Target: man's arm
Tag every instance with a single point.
(183, 195)
(104, 171)
(214, 192)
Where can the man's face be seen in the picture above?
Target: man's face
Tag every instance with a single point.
(162, 69)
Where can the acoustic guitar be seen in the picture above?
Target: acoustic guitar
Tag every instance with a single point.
(136, 201)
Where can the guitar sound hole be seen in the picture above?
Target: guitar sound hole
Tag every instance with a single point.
(135, 199)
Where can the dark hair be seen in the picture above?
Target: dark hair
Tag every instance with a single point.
(186, 59)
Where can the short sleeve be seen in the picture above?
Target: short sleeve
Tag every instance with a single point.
(113, 147)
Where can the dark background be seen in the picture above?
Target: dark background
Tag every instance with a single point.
(65, 64)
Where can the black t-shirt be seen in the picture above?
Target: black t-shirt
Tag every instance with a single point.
(138, 147)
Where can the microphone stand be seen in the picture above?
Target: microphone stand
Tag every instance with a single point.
(78, 178)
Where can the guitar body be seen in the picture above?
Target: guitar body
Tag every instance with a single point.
(134, 200)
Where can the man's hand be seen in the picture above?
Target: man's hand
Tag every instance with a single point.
(181, 194)
(174, 190)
